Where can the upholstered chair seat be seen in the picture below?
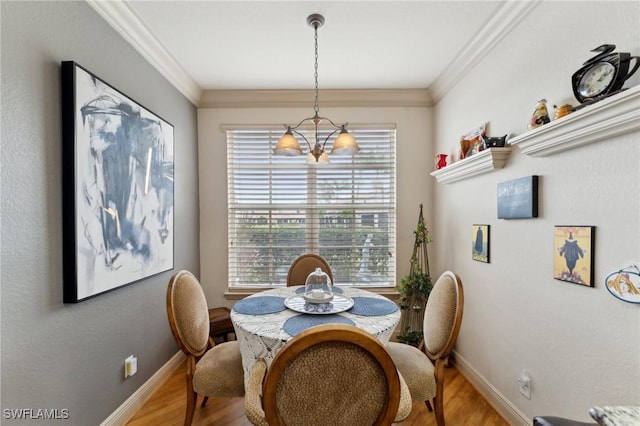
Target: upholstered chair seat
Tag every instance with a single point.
(220, 372)
(419, 375)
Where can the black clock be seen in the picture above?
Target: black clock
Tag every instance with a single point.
(603, 75)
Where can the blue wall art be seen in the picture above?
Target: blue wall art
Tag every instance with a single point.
(118, 202)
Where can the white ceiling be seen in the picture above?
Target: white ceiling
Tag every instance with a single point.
(224, 45)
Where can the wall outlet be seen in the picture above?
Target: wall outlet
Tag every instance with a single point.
(524, 383)
(130, 366)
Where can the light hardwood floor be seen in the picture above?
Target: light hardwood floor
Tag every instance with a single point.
(463, 406)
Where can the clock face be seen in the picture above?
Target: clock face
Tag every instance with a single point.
(596, 80)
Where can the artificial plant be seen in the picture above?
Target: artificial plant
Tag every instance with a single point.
(415, 288)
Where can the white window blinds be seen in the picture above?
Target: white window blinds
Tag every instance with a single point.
(281, 207)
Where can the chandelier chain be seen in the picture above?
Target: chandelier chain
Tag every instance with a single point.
(315, 105)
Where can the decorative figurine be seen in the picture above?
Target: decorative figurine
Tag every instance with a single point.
(441, 161)
(494, 142)
(562, 110)
(464, 148)
(471, 143)
(540, 115)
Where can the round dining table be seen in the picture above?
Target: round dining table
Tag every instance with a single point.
(264, 322)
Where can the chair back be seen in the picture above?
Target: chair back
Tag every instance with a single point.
(332, 374)
(188, 313)
(304, 265)
(443, 316)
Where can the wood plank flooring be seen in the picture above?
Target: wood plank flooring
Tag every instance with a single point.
(463, 406)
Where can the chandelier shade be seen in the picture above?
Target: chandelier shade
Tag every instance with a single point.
(288, 144)
(344, 144)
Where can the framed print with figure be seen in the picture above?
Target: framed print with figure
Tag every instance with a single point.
(573, 256)
(480, 243)
(117, 187)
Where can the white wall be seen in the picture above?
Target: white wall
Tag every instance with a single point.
(414, 150)
(581, 345)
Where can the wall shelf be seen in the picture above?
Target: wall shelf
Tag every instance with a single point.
(482, 162)
(613, 116)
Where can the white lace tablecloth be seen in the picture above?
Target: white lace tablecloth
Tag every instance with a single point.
(262, 336)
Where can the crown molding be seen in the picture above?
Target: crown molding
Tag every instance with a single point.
(303, 98)
(129, 26)
(498, 26)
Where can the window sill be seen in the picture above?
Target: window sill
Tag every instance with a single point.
(237, 294)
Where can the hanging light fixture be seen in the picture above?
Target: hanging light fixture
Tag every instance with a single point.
(344, 144)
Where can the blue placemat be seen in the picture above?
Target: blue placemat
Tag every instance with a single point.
(260, 305)
(299, 323)
(336, 290)
(372, 306)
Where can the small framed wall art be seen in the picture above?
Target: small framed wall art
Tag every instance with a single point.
(117, 190)
(573, 256)
(480, 243)
(518, 198)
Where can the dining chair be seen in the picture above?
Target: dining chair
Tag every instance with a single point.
(330, 374)
(212, 369)
(423, 367)
(304, 265)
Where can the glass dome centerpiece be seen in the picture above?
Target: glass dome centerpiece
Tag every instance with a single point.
(318, 287)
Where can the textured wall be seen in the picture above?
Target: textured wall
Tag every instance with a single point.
(581, 345)
(72, 356)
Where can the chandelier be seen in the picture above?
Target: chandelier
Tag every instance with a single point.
(344, 143)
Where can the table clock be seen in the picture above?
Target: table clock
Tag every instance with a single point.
(603, 75)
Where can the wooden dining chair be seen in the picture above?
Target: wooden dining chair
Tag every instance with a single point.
(423, 367)
(304, 265)
(331, 374)
(212, 369)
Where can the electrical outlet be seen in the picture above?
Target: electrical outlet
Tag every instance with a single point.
(130, 366)
(524, 383)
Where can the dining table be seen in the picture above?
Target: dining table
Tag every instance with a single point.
(264, 322)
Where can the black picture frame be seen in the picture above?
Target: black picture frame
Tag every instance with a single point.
(518, 198)
(573, 254)
(118, 187)
(481, 243)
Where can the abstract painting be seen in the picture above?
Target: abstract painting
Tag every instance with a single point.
(573, 254)
(480, 243)
(118, 174)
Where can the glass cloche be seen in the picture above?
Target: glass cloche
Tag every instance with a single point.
(318, 287)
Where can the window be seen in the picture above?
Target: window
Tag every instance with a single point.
(282, 207)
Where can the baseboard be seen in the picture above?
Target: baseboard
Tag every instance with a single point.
(501, 404)
(128, 408)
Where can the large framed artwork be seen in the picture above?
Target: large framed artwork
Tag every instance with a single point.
(573, 257)
(117, 187)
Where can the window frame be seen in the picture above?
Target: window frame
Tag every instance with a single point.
(271, 134)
